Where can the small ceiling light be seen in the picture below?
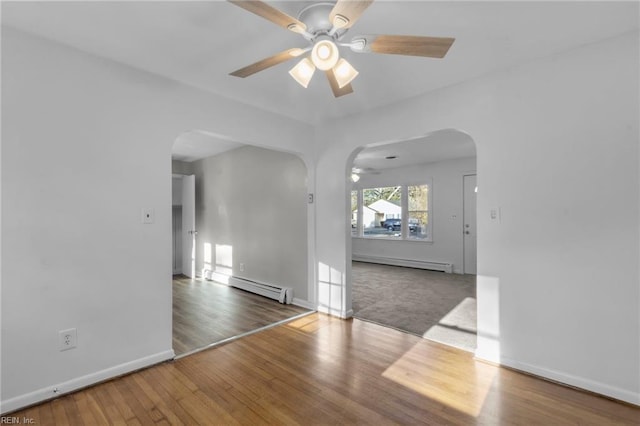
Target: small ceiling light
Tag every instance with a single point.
(355, 177)
(344, 73)
(303, 72)
(325, 54)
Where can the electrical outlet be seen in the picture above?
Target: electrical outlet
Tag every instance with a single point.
(67, 339)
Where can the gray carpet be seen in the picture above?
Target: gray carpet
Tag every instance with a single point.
(430, 304)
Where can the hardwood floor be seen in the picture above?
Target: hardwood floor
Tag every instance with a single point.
(205, 312)
(323, 370)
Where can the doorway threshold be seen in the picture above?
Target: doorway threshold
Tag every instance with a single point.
(239, 336)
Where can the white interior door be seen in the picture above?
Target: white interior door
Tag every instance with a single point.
(189, 226)
(177, 238)
(469, 230)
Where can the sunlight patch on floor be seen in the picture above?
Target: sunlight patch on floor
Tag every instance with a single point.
(464, 388)
(307, 323)
(458, 328)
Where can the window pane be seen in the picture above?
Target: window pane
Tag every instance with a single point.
(354, 213)
(418, 199)
(382, 212)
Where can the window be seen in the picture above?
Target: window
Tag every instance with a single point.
(382, 212)
(354, 213)
(398, 212)
(418, 207)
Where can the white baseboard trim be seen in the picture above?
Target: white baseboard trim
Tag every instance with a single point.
(579, 382)
(336, 312)
(303, 303)
(488, 349)
(419, 264)
(59, 389)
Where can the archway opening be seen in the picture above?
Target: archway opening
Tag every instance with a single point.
(240, 239)
(413, 236)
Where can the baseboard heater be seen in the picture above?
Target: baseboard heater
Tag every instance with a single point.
(281, 294)
(420, 264)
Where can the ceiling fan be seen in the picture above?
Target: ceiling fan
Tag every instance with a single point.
(356, 172)
(324, 25)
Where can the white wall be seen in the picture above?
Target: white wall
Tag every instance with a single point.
(557, 150)
(176, 191)
(255, 201)
(86, 144)
(446, 198)
(564, 263)
(181, 167)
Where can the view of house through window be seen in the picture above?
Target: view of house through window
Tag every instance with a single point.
(385, 212)
(382, 211)
(418, 200)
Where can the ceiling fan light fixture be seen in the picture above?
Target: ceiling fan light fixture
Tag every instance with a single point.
(355, 177)
(303, 72)
(325, 54)
(344, 72)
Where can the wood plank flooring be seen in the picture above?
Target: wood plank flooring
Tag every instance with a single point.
(205, 312)
(323, 370)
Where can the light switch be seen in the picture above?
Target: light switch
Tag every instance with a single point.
(494, 214)
(148, 216)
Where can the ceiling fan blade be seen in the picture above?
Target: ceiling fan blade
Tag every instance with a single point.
(272, 14)
(335, 88)
(350, 9)
(430, 47)
(269, 62)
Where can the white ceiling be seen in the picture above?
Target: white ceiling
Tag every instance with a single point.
(195, 145)
(199, 43)
(438, 146)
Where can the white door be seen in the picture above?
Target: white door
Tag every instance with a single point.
(189, 226)
(469, 227)
(177, 238)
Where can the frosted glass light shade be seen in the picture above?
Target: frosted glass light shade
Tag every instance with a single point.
(325, 54)
(344, 72)
(303, 72)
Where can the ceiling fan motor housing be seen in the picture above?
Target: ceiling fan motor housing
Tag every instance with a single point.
(316, 18)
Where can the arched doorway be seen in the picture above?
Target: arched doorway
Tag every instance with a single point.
(240, 264)
(413, 236)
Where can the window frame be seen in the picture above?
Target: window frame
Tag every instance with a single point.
(404, 203)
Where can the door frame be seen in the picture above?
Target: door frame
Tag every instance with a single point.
(464, 242)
